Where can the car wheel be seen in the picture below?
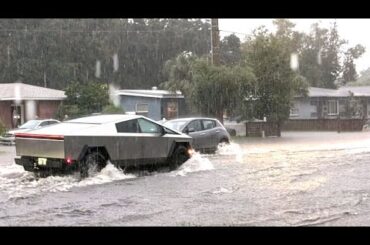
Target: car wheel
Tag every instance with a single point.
(93, 163)
(224, 141)
(179, 156)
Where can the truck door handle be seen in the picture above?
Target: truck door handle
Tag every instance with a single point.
(203, 134)
(217, 131)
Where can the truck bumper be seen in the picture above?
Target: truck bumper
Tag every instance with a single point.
(33, 164)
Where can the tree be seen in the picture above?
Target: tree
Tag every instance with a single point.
(179, 74)
(349, 68)
(321, 54)
(129, 52)
(276, 82)
(230, 50)
(363, 80)
(84, 99)
(208, 89)
(219, 88)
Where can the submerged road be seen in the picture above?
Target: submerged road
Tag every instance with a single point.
(300, 179)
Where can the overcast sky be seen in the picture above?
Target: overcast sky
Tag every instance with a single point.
(355, 31)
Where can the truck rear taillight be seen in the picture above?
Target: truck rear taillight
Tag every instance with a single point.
(69, 161)
(40, 136)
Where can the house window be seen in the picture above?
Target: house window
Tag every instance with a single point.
(332, 107)
(172, 110)
(142, 109)
(294, 111)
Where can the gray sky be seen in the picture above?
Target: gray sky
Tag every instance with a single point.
(352, 30)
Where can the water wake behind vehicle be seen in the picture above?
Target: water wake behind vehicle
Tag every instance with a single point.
(15, 182)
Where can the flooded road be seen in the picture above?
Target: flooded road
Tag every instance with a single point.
(300, 179)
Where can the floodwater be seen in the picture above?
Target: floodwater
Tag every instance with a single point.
(300, 179)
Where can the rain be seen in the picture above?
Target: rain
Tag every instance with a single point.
(184, 122)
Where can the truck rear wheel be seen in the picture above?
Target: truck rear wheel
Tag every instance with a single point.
(179, 156)
(93, 163)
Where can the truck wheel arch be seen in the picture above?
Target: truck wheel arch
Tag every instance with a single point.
(88, 149)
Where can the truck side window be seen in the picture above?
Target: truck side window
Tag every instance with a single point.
(130, 126)
(149, 127)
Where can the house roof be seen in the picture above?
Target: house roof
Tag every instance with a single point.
(325, 92)
(340, 92)
(151, 93)
(21, 91)
(358, 91)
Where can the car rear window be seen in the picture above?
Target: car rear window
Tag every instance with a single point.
(196, 125)
(208, 124)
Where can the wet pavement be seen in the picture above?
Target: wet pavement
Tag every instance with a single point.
(300, 179)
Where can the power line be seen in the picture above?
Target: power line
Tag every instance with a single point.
(114, 31)
(234, 32)
(96, 31)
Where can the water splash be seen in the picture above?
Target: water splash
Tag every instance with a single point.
(222, 190)
(196, 163)
(16, 182)
(231, 149)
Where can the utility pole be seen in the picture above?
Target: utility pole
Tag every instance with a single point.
(215, 42)
(45, 79)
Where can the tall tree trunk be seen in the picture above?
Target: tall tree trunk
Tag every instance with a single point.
(220, 116)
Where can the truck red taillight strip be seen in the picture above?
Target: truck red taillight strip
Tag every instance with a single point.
(40, 136)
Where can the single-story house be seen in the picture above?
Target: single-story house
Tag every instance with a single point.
(321, 103)
(21, 102)
(155, 104)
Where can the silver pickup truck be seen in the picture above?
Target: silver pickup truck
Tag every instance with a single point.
(86, 144)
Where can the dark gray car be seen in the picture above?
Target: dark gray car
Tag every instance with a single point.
(207, 133)
(86, 144)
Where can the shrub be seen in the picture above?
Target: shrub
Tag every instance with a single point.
(2, 128)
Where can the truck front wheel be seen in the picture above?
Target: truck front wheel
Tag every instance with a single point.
(179, 156)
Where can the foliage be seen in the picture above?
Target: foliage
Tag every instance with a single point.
(179, 72)
(354, 109)
(2, 128)
(320, 53)
(276, 82)
(349, 68)
(363, 80)
(220, 88)
(112, 109)
(209, 89)
(84, 99)
(130, 52)
(230, 50)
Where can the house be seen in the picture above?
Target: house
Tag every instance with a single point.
(321, 103)
(20, 102)
(343, 109)
(155, 104)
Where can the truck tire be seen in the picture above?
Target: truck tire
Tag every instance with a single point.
(92, 163)
(179, 156)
